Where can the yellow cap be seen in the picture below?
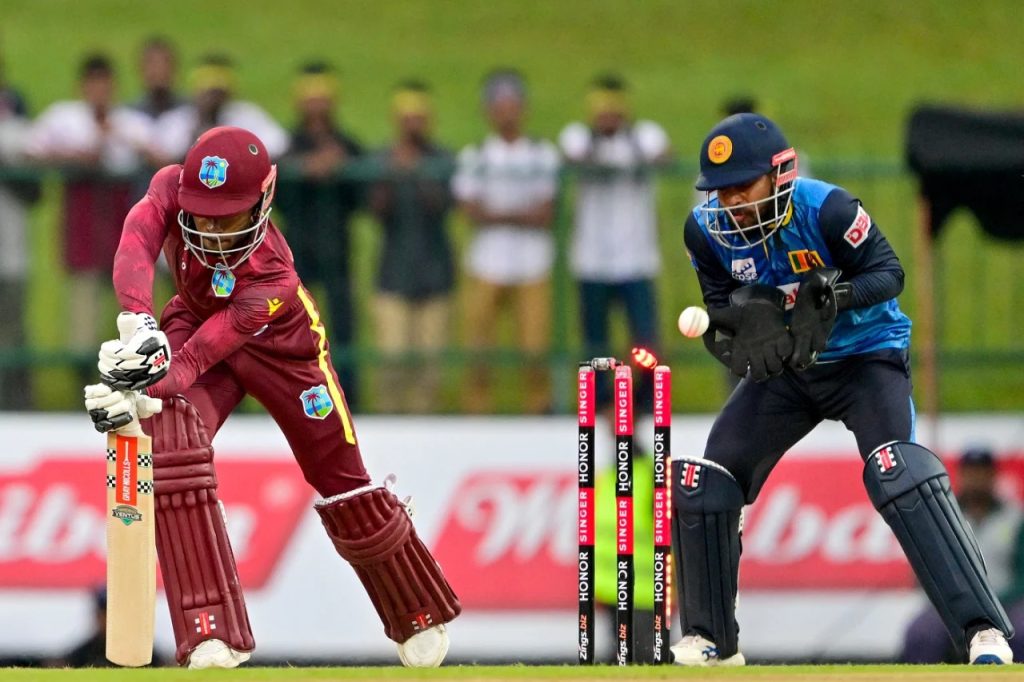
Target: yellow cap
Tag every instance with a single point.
(212, 77)
(315, 85)
(411, 102)
(603, 100)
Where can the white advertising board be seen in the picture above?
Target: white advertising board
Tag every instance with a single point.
(495, 500)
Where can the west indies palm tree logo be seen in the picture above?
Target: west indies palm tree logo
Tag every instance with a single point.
(316, 402)
(213, 171)
(223, 281)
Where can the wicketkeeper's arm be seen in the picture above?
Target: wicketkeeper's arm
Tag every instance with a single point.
(871, 270)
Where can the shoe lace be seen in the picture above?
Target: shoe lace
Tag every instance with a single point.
(390, 482)
(990, 636)
(707, 649)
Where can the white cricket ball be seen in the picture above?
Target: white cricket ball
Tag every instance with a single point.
(693, 322)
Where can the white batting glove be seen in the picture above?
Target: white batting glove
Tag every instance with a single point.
(141, 357)
(112, 410)
(130, 324)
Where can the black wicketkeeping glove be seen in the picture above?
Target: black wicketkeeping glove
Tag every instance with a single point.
(718, 341)
(760, 341)
(814, 313)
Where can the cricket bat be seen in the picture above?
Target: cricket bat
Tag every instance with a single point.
(131, 548)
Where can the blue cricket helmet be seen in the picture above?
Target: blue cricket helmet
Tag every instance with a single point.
(739, 149)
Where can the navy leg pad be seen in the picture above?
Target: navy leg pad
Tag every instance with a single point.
(706, 506)
(909, 486)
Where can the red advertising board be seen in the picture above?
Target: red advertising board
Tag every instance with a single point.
(52, 531)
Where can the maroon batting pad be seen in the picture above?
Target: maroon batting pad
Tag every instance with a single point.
(373, 532)
(200, 577)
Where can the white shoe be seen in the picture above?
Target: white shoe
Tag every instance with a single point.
(425, 649)
(990, 647)
(213, 653)
(697, 651)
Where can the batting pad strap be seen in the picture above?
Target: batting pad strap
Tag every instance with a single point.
(909, 486)
(204, 595)
(707, 505)
(344, 496)
(373, 532)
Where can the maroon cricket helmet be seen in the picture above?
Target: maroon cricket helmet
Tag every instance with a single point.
(225, 172)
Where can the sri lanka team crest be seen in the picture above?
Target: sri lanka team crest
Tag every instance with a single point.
(316, 402)
(719, 149)
(213, 171)
(223, 282)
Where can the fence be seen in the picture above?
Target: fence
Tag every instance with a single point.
(977, 296)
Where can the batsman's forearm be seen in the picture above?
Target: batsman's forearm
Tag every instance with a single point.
(135, 260)
(215, 340)
(185, 369)
(133, 277)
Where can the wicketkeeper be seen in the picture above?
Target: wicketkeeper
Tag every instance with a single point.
(801, 286)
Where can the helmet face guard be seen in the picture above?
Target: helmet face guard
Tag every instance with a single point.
(242, 242)
(770, 212)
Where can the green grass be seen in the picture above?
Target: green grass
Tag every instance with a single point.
(861, 673)
(840, 77)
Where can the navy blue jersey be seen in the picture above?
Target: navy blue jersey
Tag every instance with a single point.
(826, 226)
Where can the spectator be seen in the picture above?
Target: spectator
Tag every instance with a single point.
(98, 143)
(213, 104)
(92, 651)
(614, 255)
(743, 103)
(15, 196)
(416, 276)
(318, 207)
(158, 68)
(506, 187)
(998, 525)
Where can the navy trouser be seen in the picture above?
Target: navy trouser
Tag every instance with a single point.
(870, 394)
(640, 305)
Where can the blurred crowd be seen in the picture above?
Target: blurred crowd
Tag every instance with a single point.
(997, 519)
(505, 186)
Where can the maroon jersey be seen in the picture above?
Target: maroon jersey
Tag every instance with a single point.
(259, 301)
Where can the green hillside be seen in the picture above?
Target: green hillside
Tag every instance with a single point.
(840, 77)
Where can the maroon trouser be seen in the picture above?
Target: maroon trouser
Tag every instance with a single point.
(288, 370)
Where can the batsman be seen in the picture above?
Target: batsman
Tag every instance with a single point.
(801, 286)
(242, 323)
